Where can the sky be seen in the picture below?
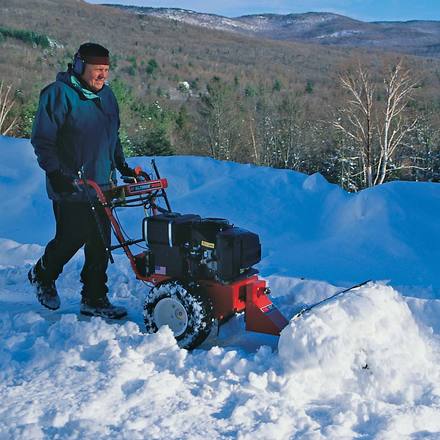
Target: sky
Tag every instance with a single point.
(366, 10)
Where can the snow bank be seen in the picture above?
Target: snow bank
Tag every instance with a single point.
(364, 365)
(13, 253)
(365, 351)
(308, 227)
(370, 329)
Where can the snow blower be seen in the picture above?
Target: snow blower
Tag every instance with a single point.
(200, 270)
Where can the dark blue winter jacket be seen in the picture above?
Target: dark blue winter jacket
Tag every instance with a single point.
(75, 129)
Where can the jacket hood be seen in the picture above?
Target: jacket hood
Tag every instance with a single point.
(64, 77)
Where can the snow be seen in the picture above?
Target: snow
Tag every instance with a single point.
(210, 21)
(362, 365)
(340, 34)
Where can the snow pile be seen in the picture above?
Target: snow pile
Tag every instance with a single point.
(364, 352)
(14, 253)
(362, 330)
(82, 377)
(362, 365)
(308, 227)
(346, 369)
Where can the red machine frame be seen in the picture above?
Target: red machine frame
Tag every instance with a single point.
(248, 294)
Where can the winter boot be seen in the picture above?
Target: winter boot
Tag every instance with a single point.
(102, 307)
(45, 291)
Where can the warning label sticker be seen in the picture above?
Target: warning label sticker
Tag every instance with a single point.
(267, 309)
(208, 245)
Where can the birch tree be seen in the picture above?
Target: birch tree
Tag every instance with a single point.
(356, 119)
(394, 127)
(377, 128)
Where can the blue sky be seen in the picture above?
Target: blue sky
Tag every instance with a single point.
(368, 10)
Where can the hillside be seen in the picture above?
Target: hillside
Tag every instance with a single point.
(183, 52)
(186, 89)
(178, 51)
(412, 37)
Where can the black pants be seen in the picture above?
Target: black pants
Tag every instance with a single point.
(76, 227)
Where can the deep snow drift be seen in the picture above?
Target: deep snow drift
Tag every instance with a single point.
(364, 365)
(308, 227)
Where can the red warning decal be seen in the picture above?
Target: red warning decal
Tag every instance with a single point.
(267, 309)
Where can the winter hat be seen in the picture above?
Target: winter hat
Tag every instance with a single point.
(92, 53)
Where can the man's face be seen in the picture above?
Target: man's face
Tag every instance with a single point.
(95, 76)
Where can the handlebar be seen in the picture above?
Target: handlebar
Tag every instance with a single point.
(141, 176)
(124, 191)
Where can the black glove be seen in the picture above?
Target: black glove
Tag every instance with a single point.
(137, 173)
(60, 182)
(126, 171)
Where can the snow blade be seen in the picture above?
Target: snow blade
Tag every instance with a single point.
(308, 308)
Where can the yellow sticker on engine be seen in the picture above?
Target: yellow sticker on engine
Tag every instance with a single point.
(208, 244)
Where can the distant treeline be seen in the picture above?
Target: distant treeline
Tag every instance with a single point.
(26, 36)
(264, 126)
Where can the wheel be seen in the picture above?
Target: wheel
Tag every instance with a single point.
(183, 308)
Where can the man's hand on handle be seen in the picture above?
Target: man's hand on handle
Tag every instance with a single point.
(128, 173)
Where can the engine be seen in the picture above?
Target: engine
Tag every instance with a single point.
(188, 246)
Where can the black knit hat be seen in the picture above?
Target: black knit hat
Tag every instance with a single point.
(93, 53)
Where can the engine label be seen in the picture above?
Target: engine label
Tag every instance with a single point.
(208, 245)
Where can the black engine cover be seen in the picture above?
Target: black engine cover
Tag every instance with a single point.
(171, 229)
(204, 233)
(237, 249)
(182, 246)
(166, 234)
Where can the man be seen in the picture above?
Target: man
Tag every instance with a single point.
(76, 130)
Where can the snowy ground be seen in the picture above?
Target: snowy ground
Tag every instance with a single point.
(365, 365)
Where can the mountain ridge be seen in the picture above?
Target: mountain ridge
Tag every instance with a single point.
(419, 37)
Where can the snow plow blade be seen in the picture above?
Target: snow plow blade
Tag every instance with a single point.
(261, 314)
(341, 292)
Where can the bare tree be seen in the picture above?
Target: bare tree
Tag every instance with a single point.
(6, 104)
(221, 115)
(356, 119)
(394, 127)
(291, 148)
(254, 148)
(377, 129)
(275, 133)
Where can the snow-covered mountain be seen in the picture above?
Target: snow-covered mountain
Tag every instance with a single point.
(418, 37)
(364, 365)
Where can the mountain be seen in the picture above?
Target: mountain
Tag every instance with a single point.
(414, 37)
